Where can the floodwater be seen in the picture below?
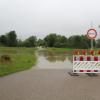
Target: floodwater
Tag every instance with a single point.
(53, 60)
(47, 82)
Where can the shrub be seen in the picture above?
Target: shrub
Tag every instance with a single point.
(5, 58)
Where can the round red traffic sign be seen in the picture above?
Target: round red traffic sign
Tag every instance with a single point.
(91, 33)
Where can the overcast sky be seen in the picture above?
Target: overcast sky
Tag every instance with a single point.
(40, 17)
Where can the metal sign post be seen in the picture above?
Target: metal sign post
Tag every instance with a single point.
(91, 34)
(91, 44)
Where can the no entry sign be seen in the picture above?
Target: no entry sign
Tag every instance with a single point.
(91, 33)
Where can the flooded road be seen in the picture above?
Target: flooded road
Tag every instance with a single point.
(49, 80)
(53, 60)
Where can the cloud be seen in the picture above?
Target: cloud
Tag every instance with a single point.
(41, 17)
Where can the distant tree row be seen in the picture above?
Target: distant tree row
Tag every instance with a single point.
(10, 40)
(76, 41)
(51, 40)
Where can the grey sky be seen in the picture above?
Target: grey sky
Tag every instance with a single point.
(40, 17)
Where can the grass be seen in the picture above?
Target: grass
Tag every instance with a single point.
(21, 59)
(68, 51)
(59, 49)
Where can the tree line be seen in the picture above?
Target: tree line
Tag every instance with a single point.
(52, 40)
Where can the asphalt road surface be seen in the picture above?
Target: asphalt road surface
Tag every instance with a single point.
(49, 84)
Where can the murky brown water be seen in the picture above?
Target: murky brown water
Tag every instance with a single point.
(47, 59)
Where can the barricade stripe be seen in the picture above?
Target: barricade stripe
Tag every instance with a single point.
(84, 64)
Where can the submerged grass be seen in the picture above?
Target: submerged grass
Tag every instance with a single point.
(21, 59)
(59, 50)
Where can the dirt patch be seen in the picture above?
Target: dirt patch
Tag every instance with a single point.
(5, 58)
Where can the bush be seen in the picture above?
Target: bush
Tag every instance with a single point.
(5, 58)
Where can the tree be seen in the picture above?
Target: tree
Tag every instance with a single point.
(40, 42)
(19, 43)
(12, 39)
(3, 40)
(54, 40)
(88, 41)
(80, 42)
(30, 42)
(98, 43)
(50, 40)
(61, 41)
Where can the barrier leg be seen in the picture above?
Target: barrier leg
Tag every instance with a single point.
(73, 74)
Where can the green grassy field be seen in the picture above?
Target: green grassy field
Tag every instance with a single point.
(67, 49)
(59, 49)
(21, 59)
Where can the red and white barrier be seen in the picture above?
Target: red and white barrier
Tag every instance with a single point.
(86, 64)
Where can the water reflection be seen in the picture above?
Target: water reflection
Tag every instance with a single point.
(48, 59)
(54, 56)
